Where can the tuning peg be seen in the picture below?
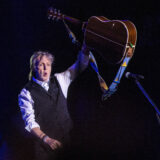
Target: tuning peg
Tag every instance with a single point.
(53, 17)
(50, 17)
(59, 12)
(55, 11)
(50, 11)
(58, 15)
(54, 14)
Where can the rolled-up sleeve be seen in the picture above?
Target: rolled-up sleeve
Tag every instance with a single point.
(26, 106)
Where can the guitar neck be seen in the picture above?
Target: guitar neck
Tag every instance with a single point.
(54, 14)
(72, 20)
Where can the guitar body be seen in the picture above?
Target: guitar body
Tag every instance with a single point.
(110, 38)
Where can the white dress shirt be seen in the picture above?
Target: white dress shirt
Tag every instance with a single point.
(65, 78)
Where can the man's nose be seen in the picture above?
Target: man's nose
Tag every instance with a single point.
(44, 67)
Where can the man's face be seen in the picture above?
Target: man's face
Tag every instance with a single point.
(43, 69)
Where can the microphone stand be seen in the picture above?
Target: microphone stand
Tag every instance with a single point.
(149, 99)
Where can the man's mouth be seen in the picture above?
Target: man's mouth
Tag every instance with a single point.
(45, 74)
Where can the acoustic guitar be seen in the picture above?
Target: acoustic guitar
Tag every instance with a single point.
(110, 38)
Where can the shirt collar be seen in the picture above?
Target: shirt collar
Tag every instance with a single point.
(44, 84)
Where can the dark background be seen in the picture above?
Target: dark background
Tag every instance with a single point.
(124, 126)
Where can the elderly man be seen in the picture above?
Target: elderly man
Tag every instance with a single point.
(43, 103)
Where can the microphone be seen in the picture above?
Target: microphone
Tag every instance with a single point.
(134, 76)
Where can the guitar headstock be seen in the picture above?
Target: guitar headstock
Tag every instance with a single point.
(55, 14)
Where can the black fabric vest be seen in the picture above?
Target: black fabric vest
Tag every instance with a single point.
(51, 111)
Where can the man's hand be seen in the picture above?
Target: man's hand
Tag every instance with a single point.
(54, 144)
(130, 52)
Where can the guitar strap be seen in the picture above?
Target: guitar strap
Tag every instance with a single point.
(71, 34)
(107, 91)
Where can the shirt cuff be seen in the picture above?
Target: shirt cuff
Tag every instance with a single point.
(30, 126)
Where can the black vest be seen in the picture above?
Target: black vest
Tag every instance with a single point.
(51, 111)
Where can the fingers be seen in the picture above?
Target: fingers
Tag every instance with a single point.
(59, 144)
(54, 144)
(130, 52)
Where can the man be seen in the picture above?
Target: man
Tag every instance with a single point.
(43, 103)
